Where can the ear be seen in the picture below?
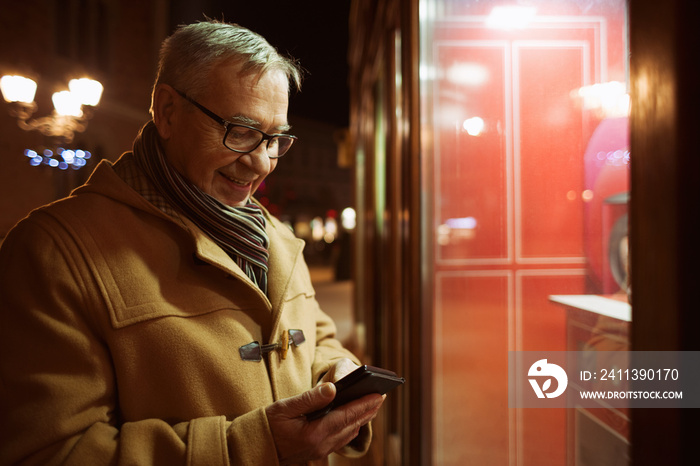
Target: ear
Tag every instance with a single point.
(164, 98)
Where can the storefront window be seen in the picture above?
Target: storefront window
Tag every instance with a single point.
(525, 123)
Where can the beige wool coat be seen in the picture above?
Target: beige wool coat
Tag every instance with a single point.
(119, 335)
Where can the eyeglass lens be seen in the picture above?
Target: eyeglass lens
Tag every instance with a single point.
(242, 139)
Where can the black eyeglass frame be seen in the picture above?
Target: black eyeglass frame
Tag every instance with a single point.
(228, 125)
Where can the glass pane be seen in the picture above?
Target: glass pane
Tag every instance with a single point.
(525, 125)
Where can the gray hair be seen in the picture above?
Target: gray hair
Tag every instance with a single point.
(188, 56)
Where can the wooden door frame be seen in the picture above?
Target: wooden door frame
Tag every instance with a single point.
(665, 208)
(664, 214)
(391, 297)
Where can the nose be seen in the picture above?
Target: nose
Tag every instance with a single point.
(257, 160)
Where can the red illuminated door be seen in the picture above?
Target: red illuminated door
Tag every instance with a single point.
(509, 220)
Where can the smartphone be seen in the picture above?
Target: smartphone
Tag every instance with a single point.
(360, 382)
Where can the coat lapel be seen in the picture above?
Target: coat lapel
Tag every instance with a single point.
(208, 251)
(285, 250)
(285, 255)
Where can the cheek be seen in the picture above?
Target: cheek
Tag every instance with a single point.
(200, 172)
(191, 152)
(201, 162)
(258, 182)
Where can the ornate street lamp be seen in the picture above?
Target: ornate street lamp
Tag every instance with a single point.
(72, 108)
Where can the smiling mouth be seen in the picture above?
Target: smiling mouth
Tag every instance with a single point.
(236, 181)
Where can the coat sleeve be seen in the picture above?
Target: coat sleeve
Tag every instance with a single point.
(328, 351)
(58, 396)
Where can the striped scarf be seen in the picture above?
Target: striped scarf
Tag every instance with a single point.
(240, 231)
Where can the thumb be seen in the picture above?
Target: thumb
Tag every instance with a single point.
(312, 400)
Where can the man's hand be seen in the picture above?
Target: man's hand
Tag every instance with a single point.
(340, 369)
(298, 440)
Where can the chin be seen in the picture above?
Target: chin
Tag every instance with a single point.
(232, 203)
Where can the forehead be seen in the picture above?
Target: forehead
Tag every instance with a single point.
(229, 75)
(249, 93)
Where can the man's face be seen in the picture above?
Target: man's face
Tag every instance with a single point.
(195, 145)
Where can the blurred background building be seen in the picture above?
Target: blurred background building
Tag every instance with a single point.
(52, 42)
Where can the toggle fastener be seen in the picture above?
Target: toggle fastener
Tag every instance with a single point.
(254, 351)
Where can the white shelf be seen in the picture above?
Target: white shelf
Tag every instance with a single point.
(597, 304)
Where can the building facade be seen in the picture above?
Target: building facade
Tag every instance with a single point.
(503, 182)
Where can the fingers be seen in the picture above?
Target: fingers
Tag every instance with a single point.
(298, 439)
(311, 400)
(358, 412)
(347, 420)
(338, 428)
(342, 368)
(338, 370)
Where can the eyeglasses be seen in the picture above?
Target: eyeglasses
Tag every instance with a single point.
(244, 139)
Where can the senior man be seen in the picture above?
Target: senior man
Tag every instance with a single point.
(159, 315)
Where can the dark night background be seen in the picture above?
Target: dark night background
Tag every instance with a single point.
(314, 32)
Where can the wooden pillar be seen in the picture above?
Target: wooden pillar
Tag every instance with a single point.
(665, 208)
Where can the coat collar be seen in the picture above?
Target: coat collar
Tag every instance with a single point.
(286, 257)
(285, 249)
